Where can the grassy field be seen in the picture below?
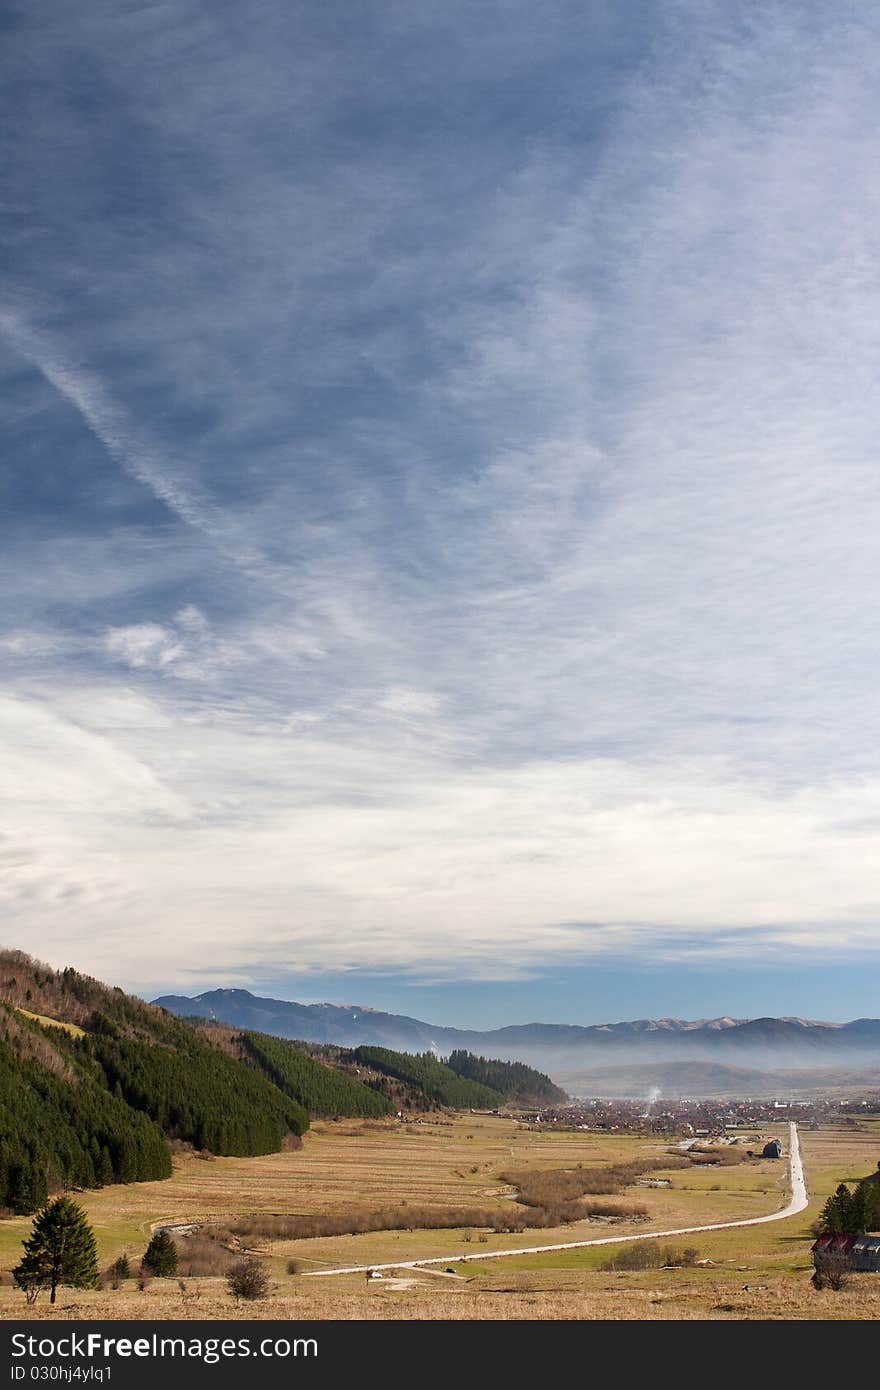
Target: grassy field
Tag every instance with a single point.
(72, 1028)
(457, 1161)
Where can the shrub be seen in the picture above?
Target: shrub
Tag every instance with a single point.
(160, 1257)
(644, 1254)
(720, 1155)
(552, 1187)
(679, 1259)
(358, 1220)
(648, 1254)
(248, 1279)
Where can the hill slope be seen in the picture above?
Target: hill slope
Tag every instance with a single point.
(347, 1025)
(517, 1083)
(439, 1084)
(97, 1104)
(322, 1090)
(59, 1124)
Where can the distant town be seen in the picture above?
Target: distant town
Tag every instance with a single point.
(700, 1118)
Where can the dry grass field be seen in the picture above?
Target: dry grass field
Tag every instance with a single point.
(72, 1028)
(756, 1272)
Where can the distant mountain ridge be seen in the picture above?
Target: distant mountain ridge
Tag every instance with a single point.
(765, 1043)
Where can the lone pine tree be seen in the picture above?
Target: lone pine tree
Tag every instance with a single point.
(59, 1250)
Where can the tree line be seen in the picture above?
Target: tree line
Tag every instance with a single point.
(439, 1084)
(515, 1081)
(852, 1213)
(320, 1089)
(193, 1091)
(85, 1110)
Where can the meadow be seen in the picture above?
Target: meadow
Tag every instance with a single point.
(460, 1161)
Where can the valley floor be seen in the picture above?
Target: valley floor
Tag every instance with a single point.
(753, 1272)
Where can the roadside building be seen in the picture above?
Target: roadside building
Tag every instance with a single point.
(772, 1150)
(828, 1247)
(865, 1254)
(860, 1253)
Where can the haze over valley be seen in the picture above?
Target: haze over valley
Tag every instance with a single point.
(707, 1057)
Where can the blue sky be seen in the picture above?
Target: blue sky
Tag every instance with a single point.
(440, 501)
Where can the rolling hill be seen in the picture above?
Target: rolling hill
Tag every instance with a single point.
(96, 1101)
(439, 1084)
(95, 1085)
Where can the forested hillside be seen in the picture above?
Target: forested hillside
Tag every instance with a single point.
(437, 1083)
(99, 1107)
(518, 1083)
(192, 1090)
(60, 1127)
(323, 1090)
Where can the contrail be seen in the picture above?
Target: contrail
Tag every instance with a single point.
(109, 424)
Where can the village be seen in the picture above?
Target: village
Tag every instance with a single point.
(698, 1118)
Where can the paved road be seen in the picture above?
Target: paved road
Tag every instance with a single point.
(797, 1203)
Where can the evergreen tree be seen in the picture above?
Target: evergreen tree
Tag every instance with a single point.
(160, 1257)
(865, 1207)
(840, 1216)
(59, 1250)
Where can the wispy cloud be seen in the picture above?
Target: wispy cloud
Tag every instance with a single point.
(89, 396)
(490, 577)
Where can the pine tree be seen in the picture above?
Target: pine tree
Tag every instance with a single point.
(160, 1257)
(59, 1250)
(866, 1207)
(839, 1214)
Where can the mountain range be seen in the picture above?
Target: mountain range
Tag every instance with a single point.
(578, 1056)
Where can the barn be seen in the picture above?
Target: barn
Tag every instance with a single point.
(828, 1245)
(861, 1253)
(772, 1150)
(865, 1255)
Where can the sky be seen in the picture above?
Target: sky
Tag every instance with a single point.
(440, 502)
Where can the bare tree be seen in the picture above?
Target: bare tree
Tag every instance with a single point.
(832, 1269)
